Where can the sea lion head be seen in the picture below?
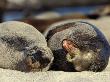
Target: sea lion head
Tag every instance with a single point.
(38, 58)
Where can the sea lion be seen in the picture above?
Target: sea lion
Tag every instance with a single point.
(77, 46)
(23, 48)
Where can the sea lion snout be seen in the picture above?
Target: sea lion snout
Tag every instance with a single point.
(32, 63)
(36, 61)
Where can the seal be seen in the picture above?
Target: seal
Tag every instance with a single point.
(77, 46)
(23, 48)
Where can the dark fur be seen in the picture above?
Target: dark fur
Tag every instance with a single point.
(85, 42)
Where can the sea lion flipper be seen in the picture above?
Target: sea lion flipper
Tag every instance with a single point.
(69, 46)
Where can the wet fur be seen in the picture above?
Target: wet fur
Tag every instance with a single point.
(85, 43)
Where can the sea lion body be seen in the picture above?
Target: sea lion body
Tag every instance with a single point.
(23, 48)
(91, 47)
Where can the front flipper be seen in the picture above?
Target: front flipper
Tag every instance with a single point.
(71, 48)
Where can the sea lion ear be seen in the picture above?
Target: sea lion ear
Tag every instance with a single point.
(68, 45)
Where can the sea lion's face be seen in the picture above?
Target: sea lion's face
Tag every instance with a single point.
(80, 60)
(37, 59)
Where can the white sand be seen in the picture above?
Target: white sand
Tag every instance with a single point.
(16, 76)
